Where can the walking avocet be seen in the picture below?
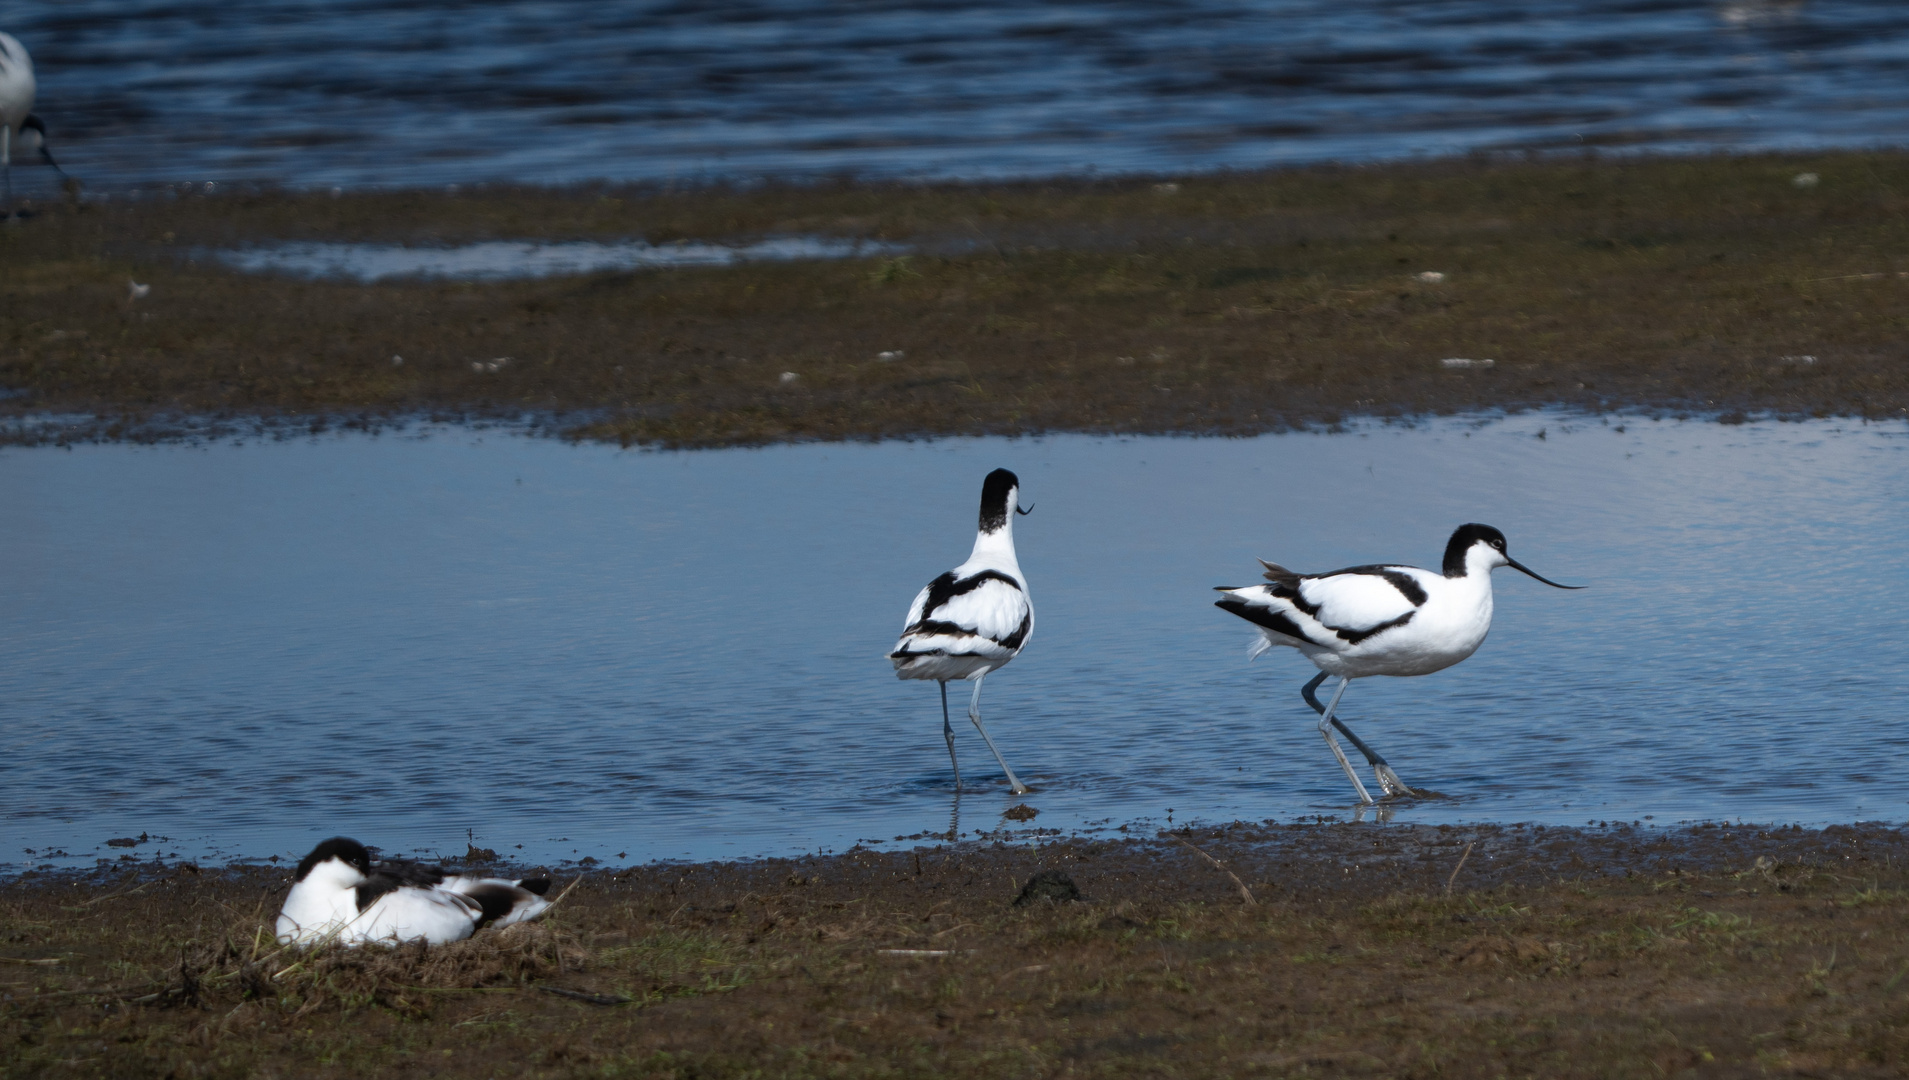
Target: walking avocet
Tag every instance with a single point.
(338, 895)
(1378, 620)
(974, 618)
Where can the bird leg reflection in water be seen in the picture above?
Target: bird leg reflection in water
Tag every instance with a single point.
(1389, 781)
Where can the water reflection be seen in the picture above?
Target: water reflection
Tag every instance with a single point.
(500, 260)
(585, 651)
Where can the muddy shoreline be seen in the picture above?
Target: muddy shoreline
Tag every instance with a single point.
(1727, 287)
(1322, 949)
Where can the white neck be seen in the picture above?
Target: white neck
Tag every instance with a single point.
(996, 548)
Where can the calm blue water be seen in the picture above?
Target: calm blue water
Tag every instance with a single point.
(589, 652)
(407, 92)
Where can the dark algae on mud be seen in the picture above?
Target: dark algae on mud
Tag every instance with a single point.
(1226, 304)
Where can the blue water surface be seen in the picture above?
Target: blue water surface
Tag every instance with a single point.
(633, 655)
(413, 92)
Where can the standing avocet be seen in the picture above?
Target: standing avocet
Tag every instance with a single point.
(974, 618)
(19, 128)
(1378, 620)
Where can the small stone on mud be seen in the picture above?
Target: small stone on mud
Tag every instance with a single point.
(789, 377)
(1431, 277)
(1048, 885)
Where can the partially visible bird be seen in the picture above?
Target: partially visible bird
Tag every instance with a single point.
(338, 895)
(1378, 620)
(20, 130)
(974, 618)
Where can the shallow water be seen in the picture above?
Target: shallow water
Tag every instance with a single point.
(636, 655)
(405, 92)
(499, 260)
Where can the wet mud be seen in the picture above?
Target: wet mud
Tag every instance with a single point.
(1226, 304)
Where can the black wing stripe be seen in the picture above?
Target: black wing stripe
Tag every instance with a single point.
(1353, 637)
(1404, 583)
(377, 886)
(936, 626)
(494, 900)
(947, 587)
(1014, 640)
(1259, 616)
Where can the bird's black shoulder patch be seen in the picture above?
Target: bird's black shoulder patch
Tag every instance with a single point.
(380, 884)
(946, 588)
(415, 875)
(1408, 588)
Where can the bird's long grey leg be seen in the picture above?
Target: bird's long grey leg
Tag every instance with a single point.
(974, 714)
(947, 732)
(1389, 781)
(6, 164)
(1325, 728)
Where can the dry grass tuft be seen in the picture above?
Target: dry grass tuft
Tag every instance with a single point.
(349, 977)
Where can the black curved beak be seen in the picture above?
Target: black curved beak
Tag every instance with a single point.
(1522, 568)
(1025, 512)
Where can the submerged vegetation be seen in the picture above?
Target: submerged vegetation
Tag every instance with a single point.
(1228, 304)
(1246, 950)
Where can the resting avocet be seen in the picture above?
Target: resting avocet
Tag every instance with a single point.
(338, 895)
(1378, 620)
(19, 128)
(974, 618)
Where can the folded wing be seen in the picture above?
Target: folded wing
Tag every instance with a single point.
(1328, 610)
(984, 614)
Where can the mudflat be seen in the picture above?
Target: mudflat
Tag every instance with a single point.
(1227, 304)
(1249, 949)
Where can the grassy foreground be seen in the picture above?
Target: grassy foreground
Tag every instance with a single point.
(1227, 304)
(1338, 951)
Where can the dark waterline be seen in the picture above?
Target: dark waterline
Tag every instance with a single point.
(409, 93)
(631, 655)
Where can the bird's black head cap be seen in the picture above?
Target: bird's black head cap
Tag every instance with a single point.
(997, 493)
(342, 848)
(1462, 540)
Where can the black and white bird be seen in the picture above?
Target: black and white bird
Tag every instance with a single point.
(974, 618)
(20, 130)
(338, 895)
(1378, 620)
